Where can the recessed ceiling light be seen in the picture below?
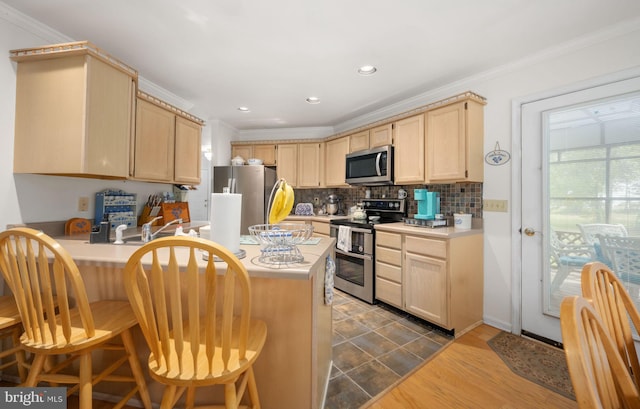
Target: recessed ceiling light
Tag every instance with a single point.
(313, 100)
(367, 70)
(243, 109)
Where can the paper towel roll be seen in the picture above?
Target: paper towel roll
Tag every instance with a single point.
(225, 220)
(205, 232)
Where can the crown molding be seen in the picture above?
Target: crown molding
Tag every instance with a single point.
(470, 82)
(51, 36)
(32, 25)
(286, 133)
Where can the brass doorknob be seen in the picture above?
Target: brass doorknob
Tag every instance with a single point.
(529, 231)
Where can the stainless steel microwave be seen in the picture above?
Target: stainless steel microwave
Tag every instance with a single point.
(370, 167)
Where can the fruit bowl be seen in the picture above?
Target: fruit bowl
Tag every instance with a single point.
(281, 234)
(278, 241)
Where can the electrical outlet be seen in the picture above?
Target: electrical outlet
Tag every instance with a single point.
(492, 205)
(83, 204)
(316, 201)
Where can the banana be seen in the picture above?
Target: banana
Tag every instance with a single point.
(282, 203)
(289, 198)
(276, 205)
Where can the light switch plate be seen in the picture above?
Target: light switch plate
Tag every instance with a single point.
(493, 205)
(83, 204)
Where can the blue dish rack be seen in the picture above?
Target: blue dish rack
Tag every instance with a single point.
(118, 207)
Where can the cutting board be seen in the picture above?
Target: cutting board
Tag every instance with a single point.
(177, 210)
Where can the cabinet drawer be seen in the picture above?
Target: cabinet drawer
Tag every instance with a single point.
(389, 256)
(388, 240)
(427, 247)
(389, 292)
(389, 272)
(320, 228)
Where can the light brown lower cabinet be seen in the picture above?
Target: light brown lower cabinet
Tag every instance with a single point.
(389, 268)
(440, 280)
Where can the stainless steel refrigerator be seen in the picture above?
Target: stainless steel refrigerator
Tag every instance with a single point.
(254, 182)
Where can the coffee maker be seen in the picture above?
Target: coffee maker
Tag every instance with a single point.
(428, 204)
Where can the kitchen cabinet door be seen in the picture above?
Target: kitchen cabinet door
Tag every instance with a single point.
(187, 152)
(455, 138)
(309, 155)
(244, 151)
(265, 152)
(155, 142)
(336, 151)
(409, 153)
(167, 143)
(288, 162)
(426, 288)
(359, 141)
(389, 268)
(73, 115)
(381, 136)
(322, 229)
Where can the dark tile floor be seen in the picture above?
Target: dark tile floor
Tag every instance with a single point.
(374, 346)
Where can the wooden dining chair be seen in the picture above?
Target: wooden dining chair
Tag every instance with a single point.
(201, 337)
(598, 373)
(10, 330)
(602, 287)
(77, 225)
(42, 276)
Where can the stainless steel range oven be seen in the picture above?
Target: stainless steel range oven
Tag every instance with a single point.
(355, 264)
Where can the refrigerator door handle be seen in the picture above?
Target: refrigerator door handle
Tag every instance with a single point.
(233, 188)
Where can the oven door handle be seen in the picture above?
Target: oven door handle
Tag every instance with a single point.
(353, 229)
(354, 255)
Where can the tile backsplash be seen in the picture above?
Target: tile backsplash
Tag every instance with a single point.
(454, 198)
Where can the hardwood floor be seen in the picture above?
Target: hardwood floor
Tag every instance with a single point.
(468, 374)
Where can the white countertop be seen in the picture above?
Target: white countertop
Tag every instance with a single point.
(439, 232)
(112, 255)
(317, 218)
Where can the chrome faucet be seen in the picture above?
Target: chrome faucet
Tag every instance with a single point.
(147, 236)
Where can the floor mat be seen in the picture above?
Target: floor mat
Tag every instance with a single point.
(542, 364)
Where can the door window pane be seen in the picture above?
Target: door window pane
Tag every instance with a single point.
(594, 179)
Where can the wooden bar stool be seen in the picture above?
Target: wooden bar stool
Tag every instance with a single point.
(36, 267)
(11, 327)
(196, 338)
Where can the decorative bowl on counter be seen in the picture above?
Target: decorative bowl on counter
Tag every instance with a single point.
(279, 241)
(304, 209)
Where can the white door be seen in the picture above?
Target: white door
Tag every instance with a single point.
(580, 165)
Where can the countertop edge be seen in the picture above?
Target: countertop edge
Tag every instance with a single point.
(440, 232)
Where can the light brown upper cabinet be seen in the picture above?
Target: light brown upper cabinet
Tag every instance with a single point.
(455, 140)
(167, 145)
(336, 151)
(266, 152)
(381, 136)
(310, 156)
(187, 151)
(244, 151)
(359, 141)
(408, 142)
(74, 111)
(288, 163)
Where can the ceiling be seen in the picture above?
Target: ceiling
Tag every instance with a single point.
(271, 55)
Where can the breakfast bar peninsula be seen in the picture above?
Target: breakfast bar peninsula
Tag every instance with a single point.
(292, 372)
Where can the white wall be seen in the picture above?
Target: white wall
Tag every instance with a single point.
(31, 197)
